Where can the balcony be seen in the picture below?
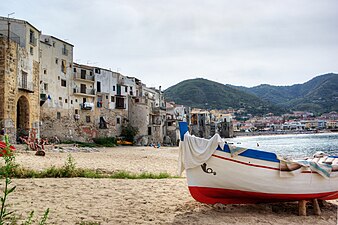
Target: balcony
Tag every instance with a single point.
(26, 86)
(87, 106)
(84, 77)
(85, 92)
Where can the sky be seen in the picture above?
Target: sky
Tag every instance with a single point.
(163, 42)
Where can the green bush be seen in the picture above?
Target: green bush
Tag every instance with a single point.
(129, 132)
(105, 141)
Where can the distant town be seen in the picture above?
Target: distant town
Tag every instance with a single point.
(45, 94)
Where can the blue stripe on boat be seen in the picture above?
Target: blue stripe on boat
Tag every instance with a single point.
(255, 154)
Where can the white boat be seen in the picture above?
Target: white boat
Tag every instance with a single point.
(231, 175)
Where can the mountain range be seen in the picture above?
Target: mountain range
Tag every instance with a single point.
(317, 95)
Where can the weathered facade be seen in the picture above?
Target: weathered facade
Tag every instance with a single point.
(148, 113)
(174, 114)
(19, 78)
(56, 104)
(42, 89)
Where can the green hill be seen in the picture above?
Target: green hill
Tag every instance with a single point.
(318, 95)
(202, 93)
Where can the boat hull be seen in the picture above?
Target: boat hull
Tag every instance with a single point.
(238, 180)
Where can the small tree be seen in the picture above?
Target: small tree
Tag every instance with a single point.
(129, 132)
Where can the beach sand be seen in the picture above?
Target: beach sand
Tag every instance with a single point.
(115, 201)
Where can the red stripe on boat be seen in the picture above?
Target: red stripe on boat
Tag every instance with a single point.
(226, 196)
(248, 164)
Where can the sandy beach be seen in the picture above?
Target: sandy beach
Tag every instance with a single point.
(115, 201)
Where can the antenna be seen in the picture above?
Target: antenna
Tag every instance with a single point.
(9, 27)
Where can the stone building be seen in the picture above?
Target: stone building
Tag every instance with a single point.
(42, 91)
(109, 113)
(57, 103)
(19, 78)
(200, 123)
(174, 114)
(148, 113)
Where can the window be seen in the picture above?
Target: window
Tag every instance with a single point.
(71, 102)
(83, 74)
(58, 115)
(83, 88)
(24, 80)
(103, 123)
(32, 39)
(98, 86)
(149, 130)
(56, 61)
(106, 96)
(119, 103)
(75, 100)
(54, 44)
(58, 77)
(97, 70)
(60, 98)
(63, 66)
(64, 50)
(118, 120)
(91, 73)
(63, 83)
(74, 70)
(113, 87)
(126, 89)
(31, 50)
(76, 111)
(66, 100)
(88, 119)
(45, 71)
(45, 86)
(112, 99)
(84, 100)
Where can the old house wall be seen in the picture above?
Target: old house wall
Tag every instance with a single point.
(8, 85)
(57, 112)
(14, 61)
(139, 117)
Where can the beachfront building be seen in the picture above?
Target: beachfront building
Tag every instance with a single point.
(200, 122)
(174, 114)
(56, 102)
(41, 88)
(147, 115)
(110, 111)
(19, 77)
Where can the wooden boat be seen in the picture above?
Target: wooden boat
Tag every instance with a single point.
(255, 176)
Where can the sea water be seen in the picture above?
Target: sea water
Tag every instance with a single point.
(291, 145)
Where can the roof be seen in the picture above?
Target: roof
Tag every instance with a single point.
(58, 39)
(18, 21)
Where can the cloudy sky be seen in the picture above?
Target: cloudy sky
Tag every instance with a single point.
(162, 42)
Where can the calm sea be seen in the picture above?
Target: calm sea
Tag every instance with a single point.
(295, 145)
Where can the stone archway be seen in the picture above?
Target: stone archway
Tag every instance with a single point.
(22, 116)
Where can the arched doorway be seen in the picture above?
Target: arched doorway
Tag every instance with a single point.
(22, 117)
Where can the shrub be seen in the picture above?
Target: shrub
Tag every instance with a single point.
(129, 132)
(105, 141)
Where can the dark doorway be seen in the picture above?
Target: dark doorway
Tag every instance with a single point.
(22, 116)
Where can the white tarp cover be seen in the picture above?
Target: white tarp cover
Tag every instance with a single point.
(195, 151)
